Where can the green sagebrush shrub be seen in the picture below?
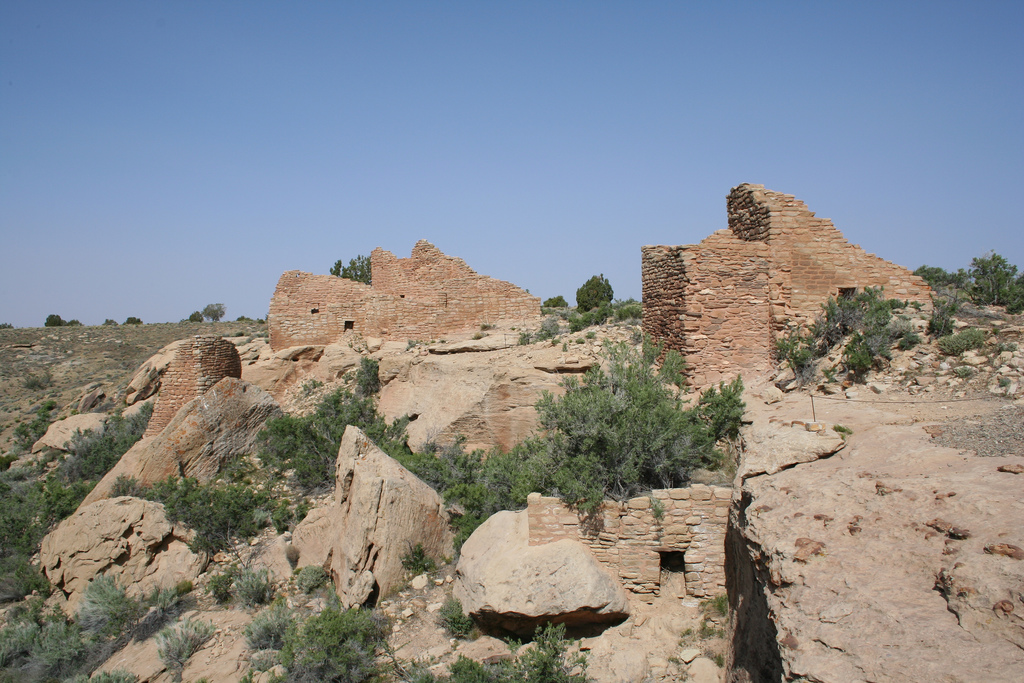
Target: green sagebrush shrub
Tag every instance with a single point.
(964, 340)
(217, 512)
(106, 609)
(453, 620)
(253, 587)
(555, 302)
(175, 644)
(267, 629)
(311, 577)
(309, 445)
(334, 645)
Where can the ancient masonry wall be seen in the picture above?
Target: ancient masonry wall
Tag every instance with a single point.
(812, 259)
(425, 296)
(197, 366)
(639, 547)
(711, 303)
(723, 302)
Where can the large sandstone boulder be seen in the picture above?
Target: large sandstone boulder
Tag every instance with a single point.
(336, 360)
(506, 584)
(380, 512)
(892, 561)
(60, 433)
(146, 380)
(207, 432)
(126, 538)
(487, 398)
(773, 447)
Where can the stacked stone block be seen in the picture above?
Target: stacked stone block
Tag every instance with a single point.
(629, 538)
(723, 302)
(425, 296)
(197, 366)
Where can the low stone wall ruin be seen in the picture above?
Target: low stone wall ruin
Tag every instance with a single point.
(198, 364)
(646, 550)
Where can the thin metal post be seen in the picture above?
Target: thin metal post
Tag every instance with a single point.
(813, 415)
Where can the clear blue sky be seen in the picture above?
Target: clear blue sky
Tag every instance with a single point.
(159, 156)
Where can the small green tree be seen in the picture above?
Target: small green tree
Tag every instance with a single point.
(358, 269)
(594, 292)
(556, 302)
(196, 317)
(132, 320)
(53, 320)
(214, 312)
(995, 281)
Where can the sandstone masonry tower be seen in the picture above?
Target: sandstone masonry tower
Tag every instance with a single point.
(198, 364)
(721, 303)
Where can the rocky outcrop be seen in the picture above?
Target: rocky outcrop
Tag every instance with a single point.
(207, 432)
(60, 433)
(380, 512)
(892, 561)
(146, 380)
(776, 446)
(508, 585)
(487, 398)
(126, 538)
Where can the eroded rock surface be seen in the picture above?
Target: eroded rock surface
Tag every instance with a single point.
(509, 585)
(60, 433)
(146, 380)
(210, 430)
(381, 511)
(871, 565)
(126, 538)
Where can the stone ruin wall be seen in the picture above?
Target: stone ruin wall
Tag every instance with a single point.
(198, 364)
(811, 260)
(425, 296)
(721, 303)
(710, 302)
(628, 539)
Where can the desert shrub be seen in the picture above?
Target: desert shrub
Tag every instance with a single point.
(367, 377)
(267, 629)
(963, 371)
(262, 660)
(176, 644)
(797, 351)
(595, 316)
(309, 445)
(37, 381)
(214, 312)
(106, 609)
(621, 432)
(965, 340)
(132, 320)
(110, 321)
(196, 317)
(16, 641)
(453, 620)
(90, 455)
(53, 320)
(311, 577)
(594, 292)
(333, 646)
(253, 587)
(74, 322)
(27, 433)
(673, 369)
(994, 282)
(58, 650)
(417, 561)
(941, 322)
(217, 512)
(525, 338)
(549, 329)
(6, 326)
(126, 486)
(556, 302)
(358, 269)
(220, 585)
(908, 341)
(115, 676)
(630, 309)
